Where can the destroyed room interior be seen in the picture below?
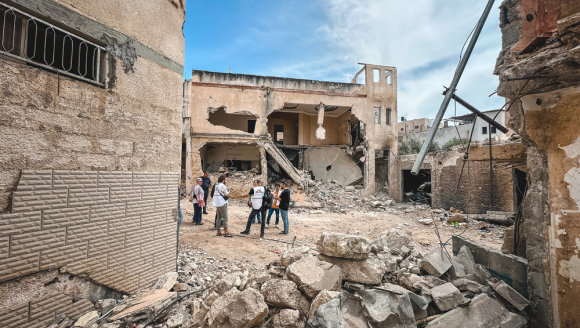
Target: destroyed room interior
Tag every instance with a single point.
(317, 165)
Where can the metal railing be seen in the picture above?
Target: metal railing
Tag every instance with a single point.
(39, 43)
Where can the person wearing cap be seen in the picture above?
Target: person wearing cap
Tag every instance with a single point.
(196, 197)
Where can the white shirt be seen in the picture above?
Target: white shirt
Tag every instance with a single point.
(256, 198)
(218, 200)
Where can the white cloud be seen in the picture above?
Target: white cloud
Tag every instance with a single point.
(422, 38)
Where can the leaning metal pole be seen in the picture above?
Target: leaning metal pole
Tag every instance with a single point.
(452, 87)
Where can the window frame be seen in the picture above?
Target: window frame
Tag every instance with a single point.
(484, 130)
(30, 21)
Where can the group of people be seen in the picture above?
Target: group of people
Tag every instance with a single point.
(261, 201)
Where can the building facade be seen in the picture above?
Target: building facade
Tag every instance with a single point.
(90, 128)
(301, 128)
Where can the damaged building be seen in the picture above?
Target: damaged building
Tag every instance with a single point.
(299, 129)
(90, 120)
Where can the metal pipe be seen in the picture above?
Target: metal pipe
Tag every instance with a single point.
(477, 112)
(453, 86)
(490, 165)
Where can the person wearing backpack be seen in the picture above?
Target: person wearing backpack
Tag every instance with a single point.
(260, 201)
(220, 202)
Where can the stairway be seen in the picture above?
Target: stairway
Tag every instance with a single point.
(282, 160)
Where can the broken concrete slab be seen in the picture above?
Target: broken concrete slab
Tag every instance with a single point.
(369, 271)
(144, 308)
(294, 254)
(238, 309)
(389, 260)
(175, 321)
(281, 293)
(472, 270)
(408, 280)
(464, 284)
(166, 281)
(509, 268)
(106, 305)
(446, 296)
(312, 276)
(510, 295)
(342, 168)
(395, 239)
(437, 262)
(482, 312)
(323, 297)
(345, 246)
(419, 303)
(86, 318)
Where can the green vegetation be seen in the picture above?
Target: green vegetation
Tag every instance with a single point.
(414, 146)
(454, 142)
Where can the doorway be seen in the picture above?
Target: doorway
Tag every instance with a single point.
(416, 188)
(279, 134)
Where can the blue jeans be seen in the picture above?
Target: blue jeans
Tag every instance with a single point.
(270, 211)
(259, 219)
(197, 213)
(284, 219)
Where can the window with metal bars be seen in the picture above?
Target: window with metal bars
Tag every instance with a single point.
(45, 45)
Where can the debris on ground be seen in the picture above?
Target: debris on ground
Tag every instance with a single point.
(348, 280)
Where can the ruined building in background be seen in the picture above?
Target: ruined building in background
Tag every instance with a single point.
(292, 127)
(539, 73)
(90, 124)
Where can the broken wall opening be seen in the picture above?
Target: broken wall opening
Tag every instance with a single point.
(234, 157)
(416, 188)
(332, 163)
(382, 170)
(241, 121)
(283, 127)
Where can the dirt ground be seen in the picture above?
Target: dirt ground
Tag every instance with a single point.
(306, 228)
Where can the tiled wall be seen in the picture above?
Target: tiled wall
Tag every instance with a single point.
(117, 228)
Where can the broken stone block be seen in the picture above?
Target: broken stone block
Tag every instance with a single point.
(395, 239)
(281, 293)
(227, 282)
(472, 270)
(166, 281)
(287, 318)
(370, 308)
(106, 305)
(510, 295)
(437, 262)
(263, 279)
(175, 321)
(369, 271)
(144, 308)
(446, 296)
(211, 298)
(426, 221)
(86, 319)
(294, 254)
(236, 309)
(345, 246)
(312, 276)
(353, 286)
(419, 303)
(408, 280)
(456, 218)
(179, 287)
(464, 284)
(389, 260)
(322, 298)
(482, 312)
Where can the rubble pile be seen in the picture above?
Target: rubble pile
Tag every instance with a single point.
(347, 281)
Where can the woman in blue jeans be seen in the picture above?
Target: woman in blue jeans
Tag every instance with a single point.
(275, 206)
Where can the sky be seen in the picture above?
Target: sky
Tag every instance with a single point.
(326, 39)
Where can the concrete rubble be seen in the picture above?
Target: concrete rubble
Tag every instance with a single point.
(389, 283)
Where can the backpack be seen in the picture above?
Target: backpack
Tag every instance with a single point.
(213, 189)
(267, 199)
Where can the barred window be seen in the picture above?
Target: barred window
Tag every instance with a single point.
(45, 45)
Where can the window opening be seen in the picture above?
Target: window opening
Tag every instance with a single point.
(377, 115)
(493, 129)
(402, 129)
(389, 77)
(44, 45)
(388, 117)
(416, 127)
(279, 134)
(251, 126)
(376, 75)
(484, 130)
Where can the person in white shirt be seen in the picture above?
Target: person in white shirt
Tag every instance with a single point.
(220, 201)
(197, 198)
(255, 202)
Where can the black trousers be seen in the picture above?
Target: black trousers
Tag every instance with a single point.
(205, 194)
(253, 215)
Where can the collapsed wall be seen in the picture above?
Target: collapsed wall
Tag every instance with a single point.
(89, 169)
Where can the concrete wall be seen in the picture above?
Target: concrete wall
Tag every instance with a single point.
(261, 96)
(217, 154)
(547, 119)
(61, 138)
(474, 193)
(290, 123)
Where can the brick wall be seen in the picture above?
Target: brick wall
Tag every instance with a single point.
(116, 228)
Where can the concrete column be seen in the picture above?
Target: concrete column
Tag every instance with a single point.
(301, 128)
(320, 132)
(264, 165)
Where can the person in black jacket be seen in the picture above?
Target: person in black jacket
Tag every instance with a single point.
(284, 205)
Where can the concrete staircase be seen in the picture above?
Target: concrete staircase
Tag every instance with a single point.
(282, 160)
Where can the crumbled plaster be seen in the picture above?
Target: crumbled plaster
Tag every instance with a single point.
(571, 269)
(572, 177)
(573, 149)
(125, 51)
(561, 232)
